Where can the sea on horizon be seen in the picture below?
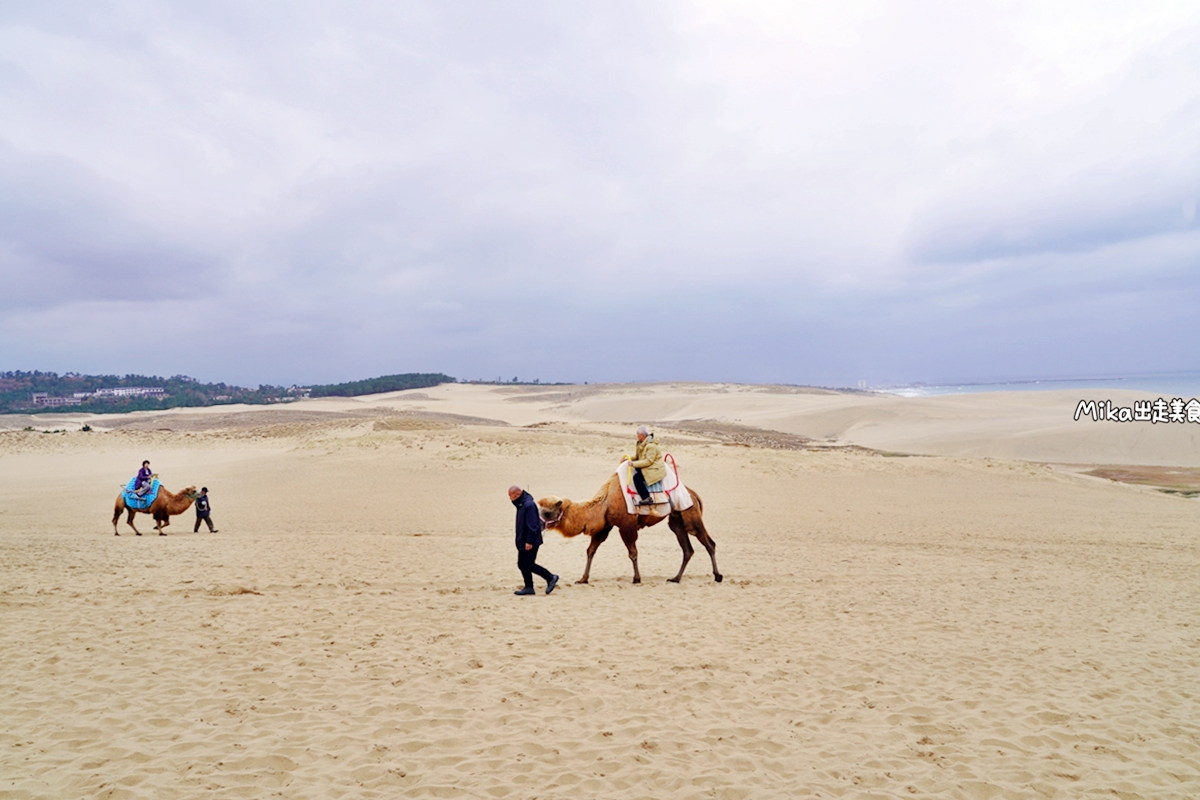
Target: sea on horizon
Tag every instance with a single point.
(1165, 384)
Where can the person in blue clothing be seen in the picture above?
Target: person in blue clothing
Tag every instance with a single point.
(204, 511)
(144, 478)
(529, 539)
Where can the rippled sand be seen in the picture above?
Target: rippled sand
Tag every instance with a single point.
(888, 626)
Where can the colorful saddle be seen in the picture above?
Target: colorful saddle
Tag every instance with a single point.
(667, 495)
(132, 500)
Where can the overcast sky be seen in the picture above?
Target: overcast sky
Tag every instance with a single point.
(815, 193)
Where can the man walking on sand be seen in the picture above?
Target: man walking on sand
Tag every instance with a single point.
(529, 539)
(203, 511)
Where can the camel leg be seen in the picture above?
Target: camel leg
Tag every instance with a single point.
(597, 540)
(709, 545)
(676, 524)
(129, 522)
(160, 524)
(630, 539)
(116, 518)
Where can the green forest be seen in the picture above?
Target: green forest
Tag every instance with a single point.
(384, 383)
(17, 389)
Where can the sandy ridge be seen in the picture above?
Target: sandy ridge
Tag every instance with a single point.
(889, 627)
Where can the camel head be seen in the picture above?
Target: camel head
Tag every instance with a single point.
(551, 510)
(190, 493)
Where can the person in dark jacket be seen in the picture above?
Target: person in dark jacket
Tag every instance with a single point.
(204, 511)
(145, 478)
(529, 539)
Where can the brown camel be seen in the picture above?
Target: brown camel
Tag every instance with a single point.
(165, 506)
(607, 510)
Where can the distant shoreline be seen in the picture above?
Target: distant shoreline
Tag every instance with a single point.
(1176, 384)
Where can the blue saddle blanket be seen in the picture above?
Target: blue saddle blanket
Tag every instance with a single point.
(143, 502)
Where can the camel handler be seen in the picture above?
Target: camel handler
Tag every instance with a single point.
(647, 463)
(204, 511)
(529, 539)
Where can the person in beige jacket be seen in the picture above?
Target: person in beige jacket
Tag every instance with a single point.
(648, 466)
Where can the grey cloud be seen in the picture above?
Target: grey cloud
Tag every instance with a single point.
(475, 187)
(1091, 212)
(63, 237)
(1116, 162)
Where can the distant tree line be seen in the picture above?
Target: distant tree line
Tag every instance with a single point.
(384, 383)
(17, 389)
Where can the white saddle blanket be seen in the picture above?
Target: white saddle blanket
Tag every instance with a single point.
(674, 497)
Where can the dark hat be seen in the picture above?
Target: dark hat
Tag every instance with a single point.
(204, 488)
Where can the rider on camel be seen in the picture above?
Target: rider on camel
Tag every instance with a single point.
(144, 479)
(647, 463)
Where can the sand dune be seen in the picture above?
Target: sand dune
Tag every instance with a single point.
(938, 626)
(1030, 426)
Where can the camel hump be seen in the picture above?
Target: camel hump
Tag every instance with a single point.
(140, 502)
